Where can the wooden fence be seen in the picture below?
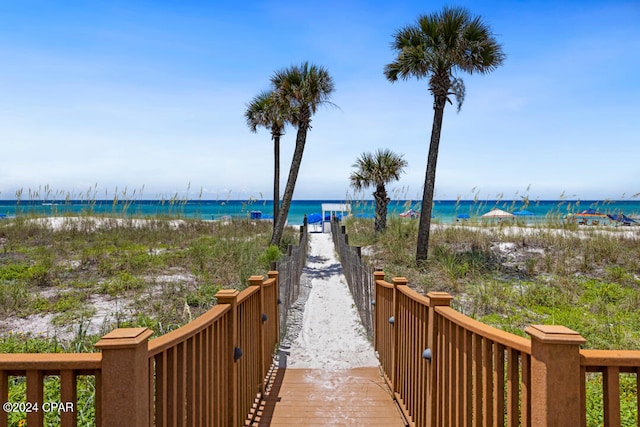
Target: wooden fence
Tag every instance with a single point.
(208, 372)
(447, 369)
(290, 268)
(358, 274)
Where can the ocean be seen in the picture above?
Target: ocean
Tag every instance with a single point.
(444, 211)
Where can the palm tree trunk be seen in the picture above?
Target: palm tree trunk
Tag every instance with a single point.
(276, 177)
(429, 182)
(382, 201)
(296, 161)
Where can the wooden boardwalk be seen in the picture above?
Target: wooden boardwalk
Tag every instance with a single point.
(315, 397)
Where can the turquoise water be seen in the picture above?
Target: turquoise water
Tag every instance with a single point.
(443, 210)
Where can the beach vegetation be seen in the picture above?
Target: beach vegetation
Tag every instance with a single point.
(514, 276)
(303, 88)
(94, 273)
(83, 280)
(271, 254)
(377, 170)
(437, 47)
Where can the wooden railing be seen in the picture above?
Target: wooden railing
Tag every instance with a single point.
(209, 372)
(447, 369)
(610, 364)
(36, 369)
(357, 272)
(290, 268)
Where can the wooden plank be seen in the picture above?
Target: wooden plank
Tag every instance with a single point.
(611, 396)
(308, 397)
(68, 393)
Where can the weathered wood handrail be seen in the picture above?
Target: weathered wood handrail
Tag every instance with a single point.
(357, 273)
(448, 369)
(290, 268)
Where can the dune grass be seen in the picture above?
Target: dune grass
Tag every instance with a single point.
(555, 273)
(160, 272)
(587, 279)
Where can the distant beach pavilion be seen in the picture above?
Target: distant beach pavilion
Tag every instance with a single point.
(331, 209)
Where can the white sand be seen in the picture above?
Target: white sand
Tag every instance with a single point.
(331, 335)
(92, 223)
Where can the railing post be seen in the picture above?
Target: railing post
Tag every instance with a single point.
(125, 377)
(230, 296)
(555, 375)
(258, 281)
(397, 281)
(436, 299)
(274, 274)
(343, 231)
(377, 275)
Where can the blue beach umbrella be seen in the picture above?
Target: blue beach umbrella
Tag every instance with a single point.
(314, 218)
(621, 218)
(463, 216)
(524, 213)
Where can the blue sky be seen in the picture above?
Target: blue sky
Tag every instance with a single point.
(107, 97)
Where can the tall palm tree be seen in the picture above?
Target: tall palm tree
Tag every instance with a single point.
(437, 47)
(304, 88)
(377, 170)
(264, 110)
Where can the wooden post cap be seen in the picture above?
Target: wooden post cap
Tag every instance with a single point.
(400, 281)
(554, 334)
(439, 298)
(226, 295)
(124, 338)
(255, 280)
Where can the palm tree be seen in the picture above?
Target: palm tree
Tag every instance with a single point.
(376, 170)
(437, 47)
(264, 110)
(304, 88)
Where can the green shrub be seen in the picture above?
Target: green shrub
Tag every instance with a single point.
(271, 254)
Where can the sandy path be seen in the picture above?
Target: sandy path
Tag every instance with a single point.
(330, 334)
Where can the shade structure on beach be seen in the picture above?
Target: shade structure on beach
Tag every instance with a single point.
(497, 213)
(622, 218)
(524, 213)
(463, 216)
(411, 213)
(589, 212)
(314, 218)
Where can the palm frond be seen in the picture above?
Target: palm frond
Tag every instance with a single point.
(440, 44)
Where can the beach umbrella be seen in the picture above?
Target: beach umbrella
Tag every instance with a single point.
(621, 218)
(463, 216)
(589, 212)
(411, 213)
(524, 213)
(497, 213)
(314, 218)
